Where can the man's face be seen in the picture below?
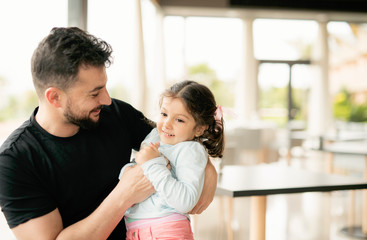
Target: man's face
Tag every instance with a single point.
(87, 97)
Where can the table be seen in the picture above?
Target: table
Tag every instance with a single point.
(261, 180)
(350, 148)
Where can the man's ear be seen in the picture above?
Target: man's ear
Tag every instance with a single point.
(199, 130)
(53, 96)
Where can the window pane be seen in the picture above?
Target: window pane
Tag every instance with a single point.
(174, 46)
(205, 49)
(283, 39)
(111, 20)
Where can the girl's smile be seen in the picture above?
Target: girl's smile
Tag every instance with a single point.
(175, 123)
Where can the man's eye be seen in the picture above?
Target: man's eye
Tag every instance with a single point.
(94, 95)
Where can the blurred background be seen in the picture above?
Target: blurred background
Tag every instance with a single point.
(288, 75)
(156, 45)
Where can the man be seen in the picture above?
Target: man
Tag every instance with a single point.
(59, 170)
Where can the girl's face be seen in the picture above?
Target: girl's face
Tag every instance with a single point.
(175, 123)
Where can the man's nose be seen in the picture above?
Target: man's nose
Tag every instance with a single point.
(105, 98)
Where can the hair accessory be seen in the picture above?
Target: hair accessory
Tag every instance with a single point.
(218, 115)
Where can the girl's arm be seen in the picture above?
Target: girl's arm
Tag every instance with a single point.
(184, 192)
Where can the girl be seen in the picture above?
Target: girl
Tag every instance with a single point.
(189, 129)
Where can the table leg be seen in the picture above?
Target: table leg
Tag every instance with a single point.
(261, 156)
(229, 219)
(351, 208)
(364, 208)
(258, 215)
(289, 155)
(329, 162)
(364, 215)
(360, 232)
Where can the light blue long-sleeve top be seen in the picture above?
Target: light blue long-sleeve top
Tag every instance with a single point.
(178, 189)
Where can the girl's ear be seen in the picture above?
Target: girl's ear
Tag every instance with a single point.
(53, 96)
(199, 130)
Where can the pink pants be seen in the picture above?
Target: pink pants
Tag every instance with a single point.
(178, 230)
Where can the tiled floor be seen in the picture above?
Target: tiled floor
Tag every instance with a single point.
(307, 216)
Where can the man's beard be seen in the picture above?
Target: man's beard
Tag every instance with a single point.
(83, 122)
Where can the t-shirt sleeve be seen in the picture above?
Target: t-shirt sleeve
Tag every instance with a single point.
(22, 195)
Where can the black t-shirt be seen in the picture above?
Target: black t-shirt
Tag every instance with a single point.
(40, 172)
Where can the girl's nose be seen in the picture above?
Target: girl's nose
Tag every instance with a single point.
(167, 123)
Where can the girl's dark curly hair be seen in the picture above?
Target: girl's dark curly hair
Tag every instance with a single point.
(200, 103)
(59, 55)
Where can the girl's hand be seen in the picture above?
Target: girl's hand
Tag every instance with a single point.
(147, 153)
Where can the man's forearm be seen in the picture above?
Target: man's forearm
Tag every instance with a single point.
(133, 187)
(98, 225)
(102, 221)
(210, 185)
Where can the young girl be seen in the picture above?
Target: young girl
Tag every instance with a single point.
(189, 129)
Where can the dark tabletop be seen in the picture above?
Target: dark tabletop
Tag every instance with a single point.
(266, 179)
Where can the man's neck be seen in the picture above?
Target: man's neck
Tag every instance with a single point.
(53, 122)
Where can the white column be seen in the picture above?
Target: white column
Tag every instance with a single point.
(184, 51)
(160, 53)
(138, 59)
(77, 13)
(320, 107)
(247, 88)
(159, 73)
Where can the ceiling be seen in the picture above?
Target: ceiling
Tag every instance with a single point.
(354, 13)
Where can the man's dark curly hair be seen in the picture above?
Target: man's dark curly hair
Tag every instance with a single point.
(56, 61)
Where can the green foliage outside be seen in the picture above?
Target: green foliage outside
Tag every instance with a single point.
(223, 91)
(273, 98)
(119, 91)
(16, 106)
(277, 98)
(346, 109)
(19, 106)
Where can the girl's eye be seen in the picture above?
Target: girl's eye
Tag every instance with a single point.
(180, 120)
(163, 114)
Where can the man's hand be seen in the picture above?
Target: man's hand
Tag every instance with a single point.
(147, 153)
(133, 187)
(210, 185)
(136, 184)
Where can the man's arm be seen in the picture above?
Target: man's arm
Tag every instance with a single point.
(133, 187)
(45, 227)
(210, 185)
